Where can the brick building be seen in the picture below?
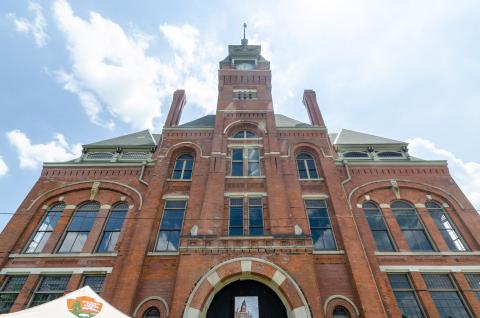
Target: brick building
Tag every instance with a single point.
(247, 213)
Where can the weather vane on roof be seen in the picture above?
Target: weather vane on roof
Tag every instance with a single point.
(244, 40)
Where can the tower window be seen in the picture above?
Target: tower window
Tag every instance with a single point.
(445, 295)
(112, 229)
(320, 226)
(405, 295)
(445, 226)
(306, 167)
(379, 229)
(245, 94)
(171, 226)
(79, 228)
(45, 229)
(411, 226)
(183, 167)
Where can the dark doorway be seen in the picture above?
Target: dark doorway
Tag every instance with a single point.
(269, 305)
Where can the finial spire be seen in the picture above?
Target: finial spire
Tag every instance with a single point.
(244, 40)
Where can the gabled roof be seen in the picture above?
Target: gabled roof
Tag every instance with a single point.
(350, 137)
(280, 121)
(138, 139)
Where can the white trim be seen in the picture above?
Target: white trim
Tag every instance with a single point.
(163, 253)
(300, 312)
(384, 206)
(475, 253)
(245, 177)
(244, 139)
(245, 194)
(278, 278)
(53, 270)
(420, 205)
(175, 197)
(105, 207)
(315, 196)
(312, 179)
(213, 279)
(191, 312)
(316, 252)
(246, 266)
(62, 255)
(429, 268)
(244, 145)
(70, 207)
(332, 297)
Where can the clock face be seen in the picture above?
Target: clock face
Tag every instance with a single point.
(244, 66)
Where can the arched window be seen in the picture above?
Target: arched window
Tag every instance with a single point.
(445, 226)
(79, 228)
(390, 154)
(340, 312)
(242, 134)
(379, 229)
(45, 229)
(306, 167)
(112, 229)
(356, 154)
(152, 312)
(183, 167)
(411, 226)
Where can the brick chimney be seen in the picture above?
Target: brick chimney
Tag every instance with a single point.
(178, 101)
(310, 102)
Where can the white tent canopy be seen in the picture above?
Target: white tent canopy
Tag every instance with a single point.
(82, 303)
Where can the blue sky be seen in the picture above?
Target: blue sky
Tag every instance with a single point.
(73, 72)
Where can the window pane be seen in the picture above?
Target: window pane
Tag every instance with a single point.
(253, 155)
(438, 281)
(255, 217)
(38, 242)
(408, 220)
(253, 169)
(323, 239)
(237, 169)
(68, 242)
(177, 174)
(54, 283)
(79, 242)
(408, 304)
(237, 154)
(152, 313)
(383, 241)
(168, 241)
(235, 231)
(474, 282)
(236, 216)
(175, 204)
(115, 221)
(449, 304)
(95, 282)
(399, 281)
(6, 302)
(375, 220)
(445, 227)
(417, 240)
(256, 231)
(187, 174)
(14, 283)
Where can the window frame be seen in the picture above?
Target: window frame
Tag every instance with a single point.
(307, 170)
(335, 248)
(37, 230)
(184, 164)
(441, 209)
(246, 161)
(250, 227)
(67, 229)
(85, 276)
(386, 230)
(230, 216)
(39, 283)
(245, 133)
(170, 229)
(424, 229)
(473, 288)
(411, 289)
(4, 284)
(105, 231)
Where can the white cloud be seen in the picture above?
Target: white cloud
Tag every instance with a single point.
(115, 78)
(466, 174)
(36, 26)
(3, 167)
(32, 155)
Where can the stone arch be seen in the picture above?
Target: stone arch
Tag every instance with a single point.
(152, 301)
(253, 268)
(245, 124)
(340, 300)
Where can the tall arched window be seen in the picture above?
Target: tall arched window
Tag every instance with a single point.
(152, 312)
(242, 134)
(377, 225)
(79, 228)
(306, 167)
(340, 312)
(411, 226)
(112, 229)
(183, 167)
(45, 229)
(445, 226)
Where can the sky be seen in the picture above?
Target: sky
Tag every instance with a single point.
(75, 72)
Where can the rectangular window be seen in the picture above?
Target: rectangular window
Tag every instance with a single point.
(379, 229)
(50, 288)
(94, 281)
(413, 230)
(445, 296)
(255, 216)
(320, 226)
(9, 292)
(405, 295)
(171, 226)
(235, 226)
(474, 282)
(445, 227)
(45, 229)
(245, 162)
(79, 228)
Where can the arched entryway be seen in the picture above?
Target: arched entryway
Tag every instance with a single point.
(246, 299)
(259, 271)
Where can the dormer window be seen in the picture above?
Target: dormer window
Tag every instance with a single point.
(244, 65)
(390, 154)
(99, 156)
(243, 134)
(355, 154)
(245, 94)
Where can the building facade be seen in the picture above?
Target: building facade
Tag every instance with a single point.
(247, 213)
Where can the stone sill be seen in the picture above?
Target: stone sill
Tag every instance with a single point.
(245, 177)
(239, 238)
(341, 252)
(63, 255)
(163, 253)
(477, 253)
(180, 180)
(316, 179)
